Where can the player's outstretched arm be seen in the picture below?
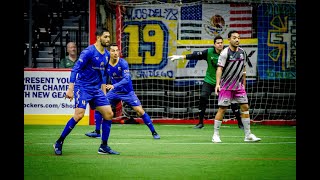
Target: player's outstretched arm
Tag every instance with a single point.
(176, 57)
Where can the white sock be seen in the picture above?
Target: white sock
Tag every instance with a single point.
(246, 126)
(216, 127)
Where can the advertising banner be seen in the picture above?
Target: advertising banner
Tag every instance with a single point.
(44, 97)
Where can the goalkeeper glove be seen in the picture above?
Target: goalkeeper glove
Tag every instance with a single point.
(176, 57)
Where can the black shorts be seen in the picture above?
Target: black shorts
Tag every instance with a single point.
(207, 89)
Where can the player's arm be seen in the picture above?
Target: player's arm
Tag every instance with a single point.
(218, 79)
(244, 77)
(196, 55)
(125, 75)
(105, 80)
(247, 62)
(220, 64)
(69, 93)
(104, 88)
(108, 86)
(82, 61)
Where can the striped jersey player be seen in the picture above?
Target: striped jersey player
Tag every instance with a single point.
(230, 86)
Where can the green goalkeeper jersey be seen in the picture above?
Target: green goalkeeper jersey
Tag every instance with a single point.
(212, 59)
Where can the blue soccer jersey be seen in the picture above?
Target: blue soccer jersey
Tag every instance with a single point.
(90, 70)
(120, 77)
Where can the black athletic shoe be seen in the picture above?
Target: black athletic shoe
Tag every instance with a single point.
(198, 126)
(93, 134)
(104, 149)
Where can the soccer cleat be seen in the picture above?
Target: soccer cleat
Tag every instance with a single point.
(58, 148)
(216, 139)
(198, 126)
(93, 134)
(155, 135)
(105, 149)
(251, 138)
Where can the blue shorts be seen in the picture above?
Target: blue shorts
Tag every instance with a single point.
(129, 98)
(95, 98)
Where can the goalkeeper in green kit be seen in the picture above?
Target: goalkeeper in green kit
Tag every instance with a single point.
(211, 55)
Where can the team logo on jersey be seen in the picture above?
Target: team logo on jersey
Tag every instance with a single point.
(119, 68)
(97, 58)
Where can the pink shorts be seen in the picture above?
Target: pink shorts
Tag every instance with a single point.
(235, 96)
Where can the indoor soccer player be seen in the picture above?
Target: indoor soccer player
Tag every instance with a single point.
(230, 86)
(121, 89)
(211, 56)
(86, 86)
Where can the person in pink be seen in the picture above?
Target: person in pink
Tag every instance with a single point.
(230, 86)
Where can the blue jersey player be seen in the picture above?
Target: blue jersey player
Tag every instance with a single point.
(121, 89)
(88, 85)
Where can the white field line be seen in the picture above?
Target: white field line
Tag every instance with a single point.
(176, 143)
(162, 135)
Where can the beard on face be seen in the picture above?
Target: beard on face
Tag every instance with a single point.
(106, 44)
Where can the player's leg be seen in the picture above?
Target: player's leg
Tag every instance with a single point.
(78, 115)
(132, 100)
(97, 121)
(98, 118)
(241, 97)
(217, 124)
(147, 120)
(102, 105)
(206, 91)
(224, 101)
(236, 112)
(127, 114)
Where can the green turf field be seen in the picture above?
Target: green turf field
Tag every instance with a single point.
(181, 153)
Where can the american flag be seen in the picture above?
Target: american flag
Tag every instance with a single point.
(241, 19)
(191, 22)
(196, 21)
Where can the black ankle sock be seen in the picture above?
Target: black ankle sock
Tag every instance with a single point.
(60, 140)
(105, 143)
(97, 131)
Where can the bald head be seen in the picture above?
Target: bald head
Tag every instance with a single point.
(72, 49)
